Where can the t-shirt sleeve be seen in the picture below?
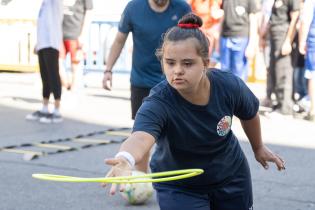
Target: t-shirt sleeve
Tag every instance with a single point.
(308, 11)
(294, 5)
(88, 4)
(246, 103)
(125, 25)
(150, 118)
(252, 6)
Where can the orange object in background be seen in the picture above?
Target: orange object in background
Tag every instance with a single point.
(211, 14)
(209, 11)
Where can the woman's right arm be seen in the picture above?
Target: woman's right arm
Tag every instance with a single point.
(136, 145)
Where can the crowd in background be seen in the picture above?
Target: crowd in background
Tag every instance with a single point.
(239, 31)
(245, 30)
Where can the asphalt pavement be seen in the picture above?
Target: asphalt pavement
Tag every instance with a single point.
(78, 146)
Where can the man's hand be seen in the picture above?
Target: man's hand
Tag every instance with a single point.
(107, 80)
(302, 48)
(286, 47)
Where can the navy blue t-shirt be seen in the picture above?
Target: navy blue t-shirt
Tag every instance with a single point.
(194, 136)
(148, 27)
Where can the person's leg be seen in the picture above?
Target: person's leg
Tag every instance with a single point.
(42, 54)
(269, 62)
(239, 62)
(62, 68)
(52, 66)
(54, 81)
(74, 48)
(310, 75)
(237, 194)
(311, 90)
(284, 78)
(225, 57)
(171, 198)
(137, 96)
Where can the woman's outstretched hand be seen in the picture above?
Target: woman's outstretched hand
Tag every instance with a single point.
(120, 167)
(264, 155)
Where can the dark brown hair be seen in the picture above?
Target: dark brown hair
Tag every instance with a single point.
(179, 33)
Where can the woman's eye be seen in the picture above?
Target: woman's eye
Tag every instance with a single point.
(187, 64)
(170, 63)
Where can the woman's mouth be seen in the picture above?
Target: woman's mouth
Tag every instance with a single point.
(178, 81)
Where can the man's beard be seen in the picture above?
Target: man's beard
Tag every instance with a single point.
(161, 3)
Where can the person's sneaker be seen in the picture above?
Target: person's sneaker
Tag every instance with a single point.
(57, 118)
(310, 117)
(51, 118)
(36, 115)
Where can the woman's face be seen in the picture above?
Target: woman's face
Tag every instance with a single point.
(182, 65)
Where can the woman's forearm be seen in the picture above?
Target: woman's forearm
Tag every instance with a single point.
(138, 144)
(252, 130)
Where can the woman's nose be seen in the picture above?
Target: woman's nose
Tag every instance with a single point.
(178, 70)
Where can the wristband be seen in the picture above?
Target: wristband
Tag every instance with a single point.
(131, 160)
(108, 71)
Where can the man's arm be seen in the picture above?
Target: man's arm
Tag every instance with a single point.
(306, 20)
(292, 27)
(287, 45)
(115, 50)
(114, 53)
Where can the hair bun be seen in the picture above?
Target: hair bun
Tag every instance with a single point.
(190, 20)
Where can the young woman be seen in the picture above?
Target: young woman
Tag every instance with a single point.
(188, 116)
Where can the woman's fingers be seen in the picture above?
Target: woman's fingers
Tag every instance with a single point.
(112, 190)
(279, 162)
(122, 187)
(112, 161)
(264, 164)
(271, 157)
(120, 167)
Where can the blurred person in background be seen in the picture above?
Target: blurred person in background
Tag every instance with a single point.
(282, 27)
(264, 45)
(49, 39)
(307, 47)
(76, 21)
(147, 20)
(238, 36)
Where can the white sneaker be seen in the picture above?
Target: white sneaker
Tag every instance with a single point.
(51, 118)
(36, 115)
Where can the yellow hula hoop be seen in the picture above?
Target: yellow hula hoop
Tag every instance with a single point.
(164, 177)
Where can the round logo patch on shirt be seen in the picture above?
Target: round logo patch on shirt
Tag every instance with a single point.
(224, 125)
(278, 3)
(240, 10)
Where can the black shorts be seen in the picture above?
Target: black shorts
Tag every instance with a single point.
(137, 96)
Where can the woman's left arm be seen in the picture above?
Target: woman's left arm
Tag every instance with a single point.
(262, 153)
